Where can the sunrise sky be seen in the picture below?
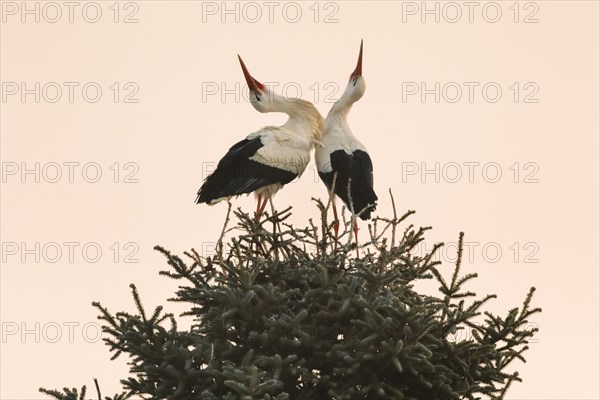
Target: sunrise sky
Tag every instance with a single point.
(483, 118)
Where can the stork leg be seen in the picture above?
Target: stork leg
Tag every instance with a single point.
(356, 235)
(261, 206)
(259, 198)
(336, 222)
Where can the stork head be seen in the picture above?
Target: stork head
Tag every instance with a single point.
(260, 96)
(356, 84)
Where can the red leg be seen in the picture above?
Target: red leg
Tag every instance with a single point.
(336, 221)
(264, 204)
(262, 207)
(356, 235)
(258, 206)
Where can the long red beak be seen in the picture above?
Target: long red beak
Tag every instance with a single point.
(253, 84)
(358, 70)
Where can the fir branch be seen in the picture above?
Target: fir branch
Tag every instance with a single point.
(286, 313)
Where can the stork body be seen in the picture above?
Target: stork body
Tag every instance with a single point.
(269, 158)
(343, 159)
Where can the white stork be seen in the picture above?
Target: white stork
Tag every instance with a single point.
(343, 158)
(269, 158)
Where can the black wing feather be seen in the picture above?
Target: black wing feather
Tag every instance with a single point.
(359, 168)
(236, 174)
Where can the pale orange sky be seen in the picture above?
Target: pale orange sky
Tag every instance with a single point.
(169, 108)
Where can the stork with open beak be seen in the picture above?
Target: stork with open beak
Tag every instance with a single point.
(269, 158)
(344, 159)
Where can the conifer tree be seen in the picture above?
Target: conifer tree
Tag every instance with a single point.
(288, 313)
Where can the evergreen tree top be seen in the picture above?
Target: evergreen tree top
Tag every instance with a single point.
(291, 313)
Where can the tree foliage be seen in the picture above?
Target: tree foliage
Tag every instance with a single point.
(287, 313)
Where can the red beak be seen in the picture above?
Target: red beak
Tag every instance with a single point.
(358, 70)
(253, 84)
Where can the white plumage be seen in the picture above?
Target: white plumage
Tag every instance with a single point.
(342, 159)
(282, 149)
(269, 158)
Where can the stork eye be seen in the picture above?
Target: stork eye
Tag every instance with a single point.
(354, 81)
(257, 96)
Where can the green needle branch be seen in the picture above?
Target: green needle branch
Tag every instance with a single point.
(289, 313)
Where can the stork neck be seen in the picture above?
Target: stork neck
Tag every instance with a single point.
(304, 118)
(353, 92)
(289, 106)
(341, 108)
(340, 112)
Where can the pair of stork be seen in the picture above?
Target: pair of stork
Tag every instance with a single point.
(271, 157)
